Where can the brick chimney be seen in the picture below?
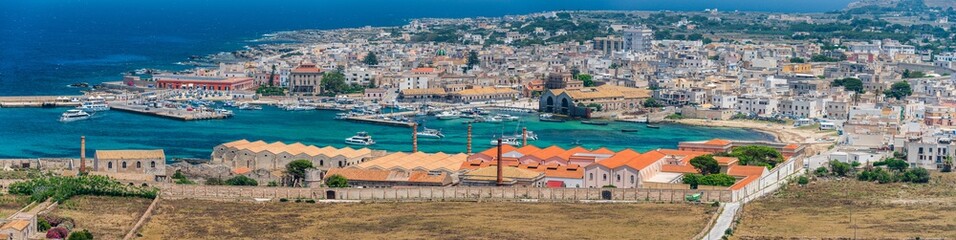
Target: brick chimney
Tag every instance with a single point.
(82, 153)
(500, 181)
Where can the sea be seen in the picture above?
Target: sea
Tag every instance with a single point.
(45, 45)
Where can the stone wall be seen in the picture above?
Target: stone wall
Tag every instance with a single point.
(231, 193)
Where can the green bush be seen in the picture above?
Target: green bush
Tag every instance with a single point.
(840, 169)
(718, 179)
(821, 171)
(916, 175)
(62, 188)
(81, 235)
(241, 181)
(43, 225)
(757, 156)
(283, 200)
(803, 180)
(273, 184)
(310, 201)
(337, 181)
(215, 181)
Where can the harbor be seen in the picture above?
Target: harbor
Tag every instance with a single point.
(39, 101)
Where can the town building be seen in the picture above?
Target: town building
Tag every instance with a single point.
(212, 83)
(305, 79)
(144, 165)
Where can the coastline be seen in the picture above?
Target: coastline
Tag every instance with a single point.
(781, 132)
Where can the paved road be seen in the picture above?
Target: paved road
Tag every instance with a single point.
(723, 221)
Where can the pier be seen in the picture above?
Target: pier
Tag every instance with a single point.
(172, 113)
(39, 101)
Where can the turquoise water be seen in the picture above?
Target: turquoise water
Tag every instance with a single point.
(35, 132)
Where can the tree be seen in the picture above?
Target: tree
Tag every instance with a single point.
(840, 169)
(947, 164)
(333, 83)
(757, 156)
(803, 180)
(241, 181)
(916, 175)
(587, 79)
(472, 60)
(899, 90)
(719, 179)
(370, 59)
(336, 181)
(913, 74)
(797, 60)
(705, 164)
(896, 164)
(652, 103)
(850, 84)
(297, 168)
(215, 181)
(821, 171)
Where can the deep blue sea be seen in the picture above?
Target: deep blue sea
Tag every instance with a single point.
(47, 44)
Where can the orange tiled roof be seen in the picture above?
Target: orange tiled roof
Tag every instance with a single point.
(791, 146)
(619, 159)
(645, 160)
(241, 170)
(547, 152)
(717, 142)
(603, 151)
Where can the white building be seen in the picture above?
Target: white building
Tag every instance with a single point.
(638, 39)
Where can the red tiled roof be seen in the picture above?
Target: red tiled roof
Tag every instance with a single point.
(602, 151)
(717, 142)
(555, 184)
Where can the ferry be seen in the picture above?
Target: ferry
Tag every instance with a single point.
(360, 138)
(74, 115)
(91, 106)
(448, 115)
(507, 141)
(430, 133)
(547, 117)
(246, 106)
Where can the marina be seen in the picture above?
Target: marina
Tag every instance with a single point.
(39, 128)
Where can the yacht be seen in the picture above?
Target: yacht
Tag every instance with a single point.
(247, 106)
(492, 119)
(74, 115)
(430, 133)
(448, 115)
(224, 112)
(547, 117)
(507, 141)
(360, 138)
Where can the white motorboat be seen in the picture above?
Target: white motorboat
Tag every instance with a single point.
(508, 117)
(298, 108)
(430, 133)
(224, 112)
(448, 115)
(507, 141)
(74, 115)
(360, 138)
(247, 106)
(492, 119)
(342, 116)
(94, 104)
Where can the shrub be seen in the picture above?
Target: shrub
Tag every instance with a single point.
(81, 235)
(215, 181)
(821, 171)
(61, 188)
(43, 225)
(876, 174)
(916, 175)
(57, 233)
(310, 200)
(705, 164)
(803, 180)
(242, 181)
(283, 200)
(273, 184)
(840, 169)
(719, 179)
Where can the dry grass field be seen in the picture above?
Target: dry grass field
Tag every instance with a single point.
(105, 217)
(198, 219)
(10, 204)
(853, 209)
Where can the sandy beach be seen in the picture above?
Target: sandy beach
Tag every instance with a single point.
(815, 140)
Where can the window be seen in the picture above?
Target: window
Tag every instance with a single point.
(152, 164)
(109, 165)
(632, 178)
(321, 162)
(619, 177)
(139, 164)
(591, 176)
(605, 177)
(124, 165)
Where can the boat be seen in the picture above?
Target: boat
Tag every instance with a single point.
(547, 117)
(298, 108)
(94, 106)
(492, 119)
(360, 138)
(506, 141)
(229, 103)
(246, 106)
(341, 116)
(601, 123)
(629, 130)
(531, 136)
(74, 115)
(508, 117)
(653, 126)
(448, 115)
(80, 85)
(224, 112)
(430, 133)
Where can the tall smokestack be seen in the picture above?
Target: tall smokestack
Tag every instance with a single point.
(524, 136)
(469, 139)
(500, 181)
(414, 137)
(82, 154)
